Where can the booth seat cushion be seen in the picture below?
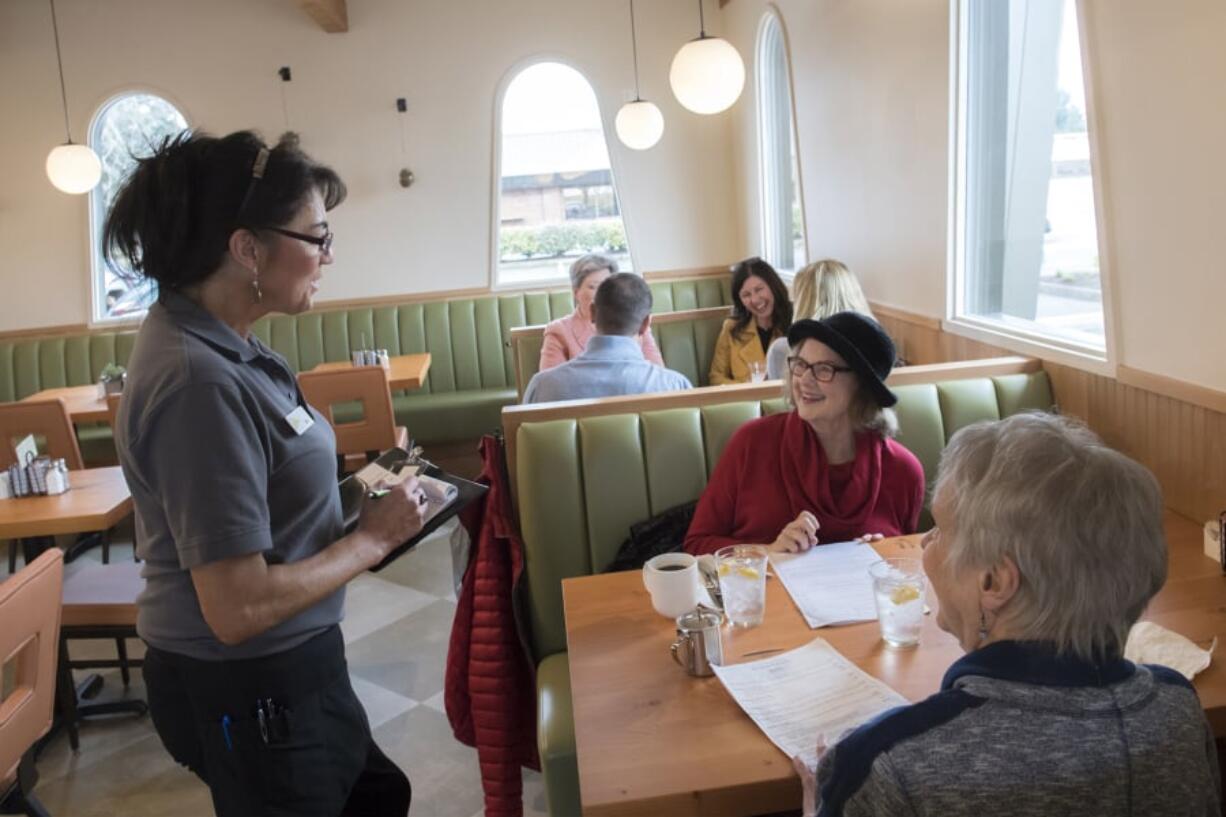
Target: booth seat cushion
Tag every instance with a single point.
(555, 735)
(449, 416)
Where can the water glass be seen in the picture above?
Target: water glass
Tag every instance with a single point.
(757, 372)
(742, 583)
(898, 588)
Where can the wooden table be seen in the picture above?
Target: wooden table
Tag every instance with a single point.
(652, 740)
(405, 371)
(98, 500)
(85, 404)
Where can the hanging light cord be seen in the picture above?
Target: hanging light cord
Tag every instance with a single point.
(702, 24)
(634, 46)
(59, 61)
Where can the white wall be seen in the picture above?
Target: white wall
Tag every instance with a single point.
(1160, 74)
(872, 94)
(870, 80)
(218, 61)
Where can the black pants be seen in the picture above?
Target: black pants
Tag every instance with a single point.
(278, 735)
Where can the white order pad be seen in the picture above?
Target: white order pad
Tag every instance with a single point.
(806, 692)
(373, 474)
(830, 583)
(439, 494)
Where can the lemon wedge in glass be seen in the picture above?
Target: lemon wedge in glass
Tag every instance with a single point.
(904, 593)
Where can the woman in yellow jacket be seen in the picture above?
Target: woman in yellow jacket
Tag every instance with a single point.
(761, 312)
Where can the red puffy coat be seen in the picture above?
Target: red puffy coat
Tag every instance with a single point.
(490, 686)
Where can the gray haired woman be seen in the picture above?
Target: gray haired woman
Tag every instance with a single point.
(1047, 547)
(567, 337)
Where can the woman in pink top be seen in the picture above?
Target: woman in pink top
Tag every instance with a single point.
(567, 337)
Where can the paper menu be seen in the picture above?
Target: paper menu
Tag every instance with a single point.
(809, 691)
(830, 583)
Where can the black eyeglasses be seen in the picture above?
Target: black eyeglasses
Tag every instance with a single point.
(822, 371)
(324, 242)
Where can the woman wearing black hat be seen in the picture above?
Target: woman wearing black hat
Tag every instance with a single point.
(828, 471)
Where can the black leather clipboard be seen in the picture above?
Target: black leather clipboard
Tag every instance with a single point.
(352, 491)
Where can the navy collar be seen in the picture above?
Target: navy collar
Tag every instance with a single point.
(193, 318)
(1036, 662)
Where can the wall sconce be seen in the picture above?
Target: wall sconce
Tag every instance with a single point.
(406, 176)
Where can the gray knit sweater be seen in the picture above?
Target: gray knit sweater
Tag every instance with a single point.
(1018, 730)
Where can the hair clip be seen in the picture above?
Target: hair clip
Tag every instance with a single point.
(261, 162)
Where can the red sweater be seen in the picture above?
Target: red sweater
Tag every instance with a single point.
(774, 467)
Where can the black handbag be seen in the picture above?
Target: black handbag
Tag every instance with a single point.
(663, 533)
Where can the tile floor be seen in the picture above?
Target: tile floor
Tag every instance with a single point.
(397, 625)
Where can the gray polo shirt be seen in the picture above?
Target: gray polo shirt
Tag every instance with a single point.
(216, 471)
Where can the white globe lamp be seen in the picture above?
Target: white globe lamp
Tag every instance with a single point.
(74, 168)
(71, 167)
(707, 75)
(639, 124)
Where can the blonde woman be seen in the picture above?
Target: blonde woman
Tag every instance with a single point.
(820, 290)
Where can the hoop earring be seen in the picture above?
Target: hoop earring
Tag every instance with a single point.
(983, 627)
(255, 285)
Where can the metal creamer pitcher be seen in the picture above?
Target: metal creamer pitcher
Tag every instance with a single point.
(698, 646)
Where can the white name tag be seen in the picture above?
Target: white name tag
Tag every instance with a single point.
(299, 420)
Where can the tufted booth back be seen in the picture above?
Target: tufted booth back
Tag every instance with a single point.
(583, 482)
(29, 365)
(466, 338)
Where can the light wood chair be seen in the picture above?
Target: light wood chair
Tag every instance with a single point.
(112, 409)
(99, 601)
(46, 419)
(29, 633)
(362, 440)
(49, 421)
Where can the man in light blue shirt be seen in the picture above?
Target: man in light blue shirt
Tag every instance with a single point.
(613, 362)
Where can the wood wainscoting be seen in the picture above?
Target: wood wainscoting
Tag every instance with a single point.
(1179, 433)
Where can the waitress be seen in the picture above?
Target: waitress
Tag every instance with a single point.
(238, 518)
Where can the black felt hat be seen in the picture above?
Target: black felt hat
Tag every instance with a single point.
(861, 342)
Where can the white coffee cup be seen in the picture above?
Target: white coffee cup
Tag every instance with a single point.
(672, 581)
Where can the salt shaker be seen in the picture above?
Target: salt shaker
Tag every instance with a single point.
(54, 480)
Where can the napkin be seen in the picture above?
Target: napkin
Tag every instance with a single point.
(1149, 643)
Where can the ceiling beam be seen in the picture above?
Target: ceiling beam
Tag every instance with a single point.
(331, 15)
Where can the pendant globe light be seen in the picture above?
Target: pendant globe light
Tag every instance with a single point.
(71, 167)
(639, 124)
(707, 74)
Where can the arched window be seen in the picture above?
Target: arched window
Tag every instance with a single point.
(125, 128)
(783, 230)
(556, 196)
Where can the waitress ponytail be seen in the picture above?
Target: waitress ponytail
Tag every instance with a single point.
(172, 219)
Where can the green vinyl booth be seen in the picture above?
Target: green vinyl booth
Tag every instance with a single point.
(472, 372)
(582, 482)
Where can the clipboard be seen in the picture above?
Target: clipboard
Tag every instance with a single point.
(353, 491)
